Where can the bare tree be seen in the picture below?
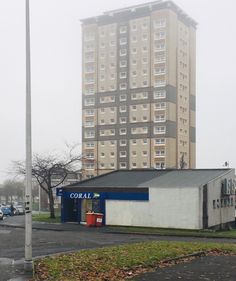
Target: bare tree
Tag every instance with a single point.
(51, 171)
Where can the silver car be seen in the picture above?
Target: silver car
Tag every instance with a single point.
(19, 209)
(1, 214)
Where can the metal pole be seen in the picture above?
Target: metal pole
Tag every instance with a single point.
(28, 264)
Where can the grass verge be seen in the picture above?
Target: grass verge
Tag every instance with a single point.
(117, 262)
(46, 218)
(175, 232)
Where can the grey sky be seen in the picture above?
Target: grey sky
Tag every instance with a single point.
(56, 75)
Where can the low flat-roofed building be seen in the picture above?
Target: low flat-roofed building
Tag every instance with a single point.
(187, 199)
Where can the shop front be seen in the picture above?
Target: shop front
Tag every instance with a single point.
(76, 204)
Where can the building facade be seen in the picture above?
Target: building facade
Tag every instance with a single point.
(139, 89)
(187, 199)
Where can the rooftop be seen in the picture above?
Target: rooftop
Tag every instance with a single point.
(151, 178)
(138, 11)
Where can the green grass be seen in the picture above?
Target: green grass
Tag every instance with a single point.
(176, 232)
(117, 262)
(46, 218)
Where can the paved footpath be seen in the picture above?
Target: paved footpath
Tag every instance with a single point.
(209, 268)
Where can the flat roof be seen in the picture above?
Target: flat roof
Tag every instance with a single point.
(141, 178)
(139, 11)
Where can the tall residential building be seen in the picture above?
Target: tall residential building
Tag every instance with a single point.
(139, 89)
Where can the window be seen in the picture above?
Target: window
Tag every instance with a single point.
(160, 165)
(123, 63)
(123, 108)
(102, 45)
(145, 60)
(145, 83)
(102, 133)
(144, 164)
(159, 94)
(112, 43)
(145, 118)
(134, 153)
(145, 48)
(89, 101)
(160, 105)
(102, 154)
(160, 141)
(123, 52)
(160, 118)
(134, 107)
(122, 154)
(134, 61)
(112, 143)
(123, 86)
(145, 72)
(145, 130)
(89, 112)
(160, 58)
(89, 134)
(89, 91)
(123, 97)
(89, 166)
(123, 29)
(145, 36)
(144, 106)
(134, 50)
(133, 130)
(102, 66)
(112, 76)
(160, 23)
(123, 142)
(112, 65)
(160, 35)
(112, 121)
(89, 123)
(160, 130)
(123, 131)
(134, 39)
(123, 75)
(112, 109)
(112, 165)
(123, 120)
(112, 54)
(145, 95)
(134, 165)
(102, 165)
(134, 141)
(90, 145)
(134, 96)
(134, 73)
(214, 204)
(122, 165)
(160, 153)
(112, 132)
(160, 46)
(134, 26)
(134, 119)
(102, 100)
(144, 153)
(145, 141)
(102, 143)
(112, 154)
(123, 41)
(159, 70)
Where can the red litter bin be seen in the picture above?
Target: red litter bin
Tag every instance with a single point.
(99, 219)
(90, 219)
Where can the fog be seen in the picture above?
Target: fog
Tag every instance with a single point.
(56, 76)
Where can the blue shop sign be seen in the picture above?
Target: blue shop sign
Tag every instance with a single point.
(140, 196)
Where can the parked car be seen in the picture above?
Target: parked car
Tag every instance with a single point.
(6, 211)
(19, 209)
(1, 214)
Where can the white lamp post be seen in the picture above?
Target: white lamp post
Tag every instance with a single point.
(28, 264)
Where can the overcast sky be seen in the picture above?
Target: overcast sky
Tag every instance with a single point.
(56, 75)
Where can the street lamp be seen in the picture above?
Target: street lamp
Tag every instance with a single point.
(28, 264)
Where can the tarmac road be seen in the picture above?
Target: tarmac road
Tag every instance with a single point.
(47, 241)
